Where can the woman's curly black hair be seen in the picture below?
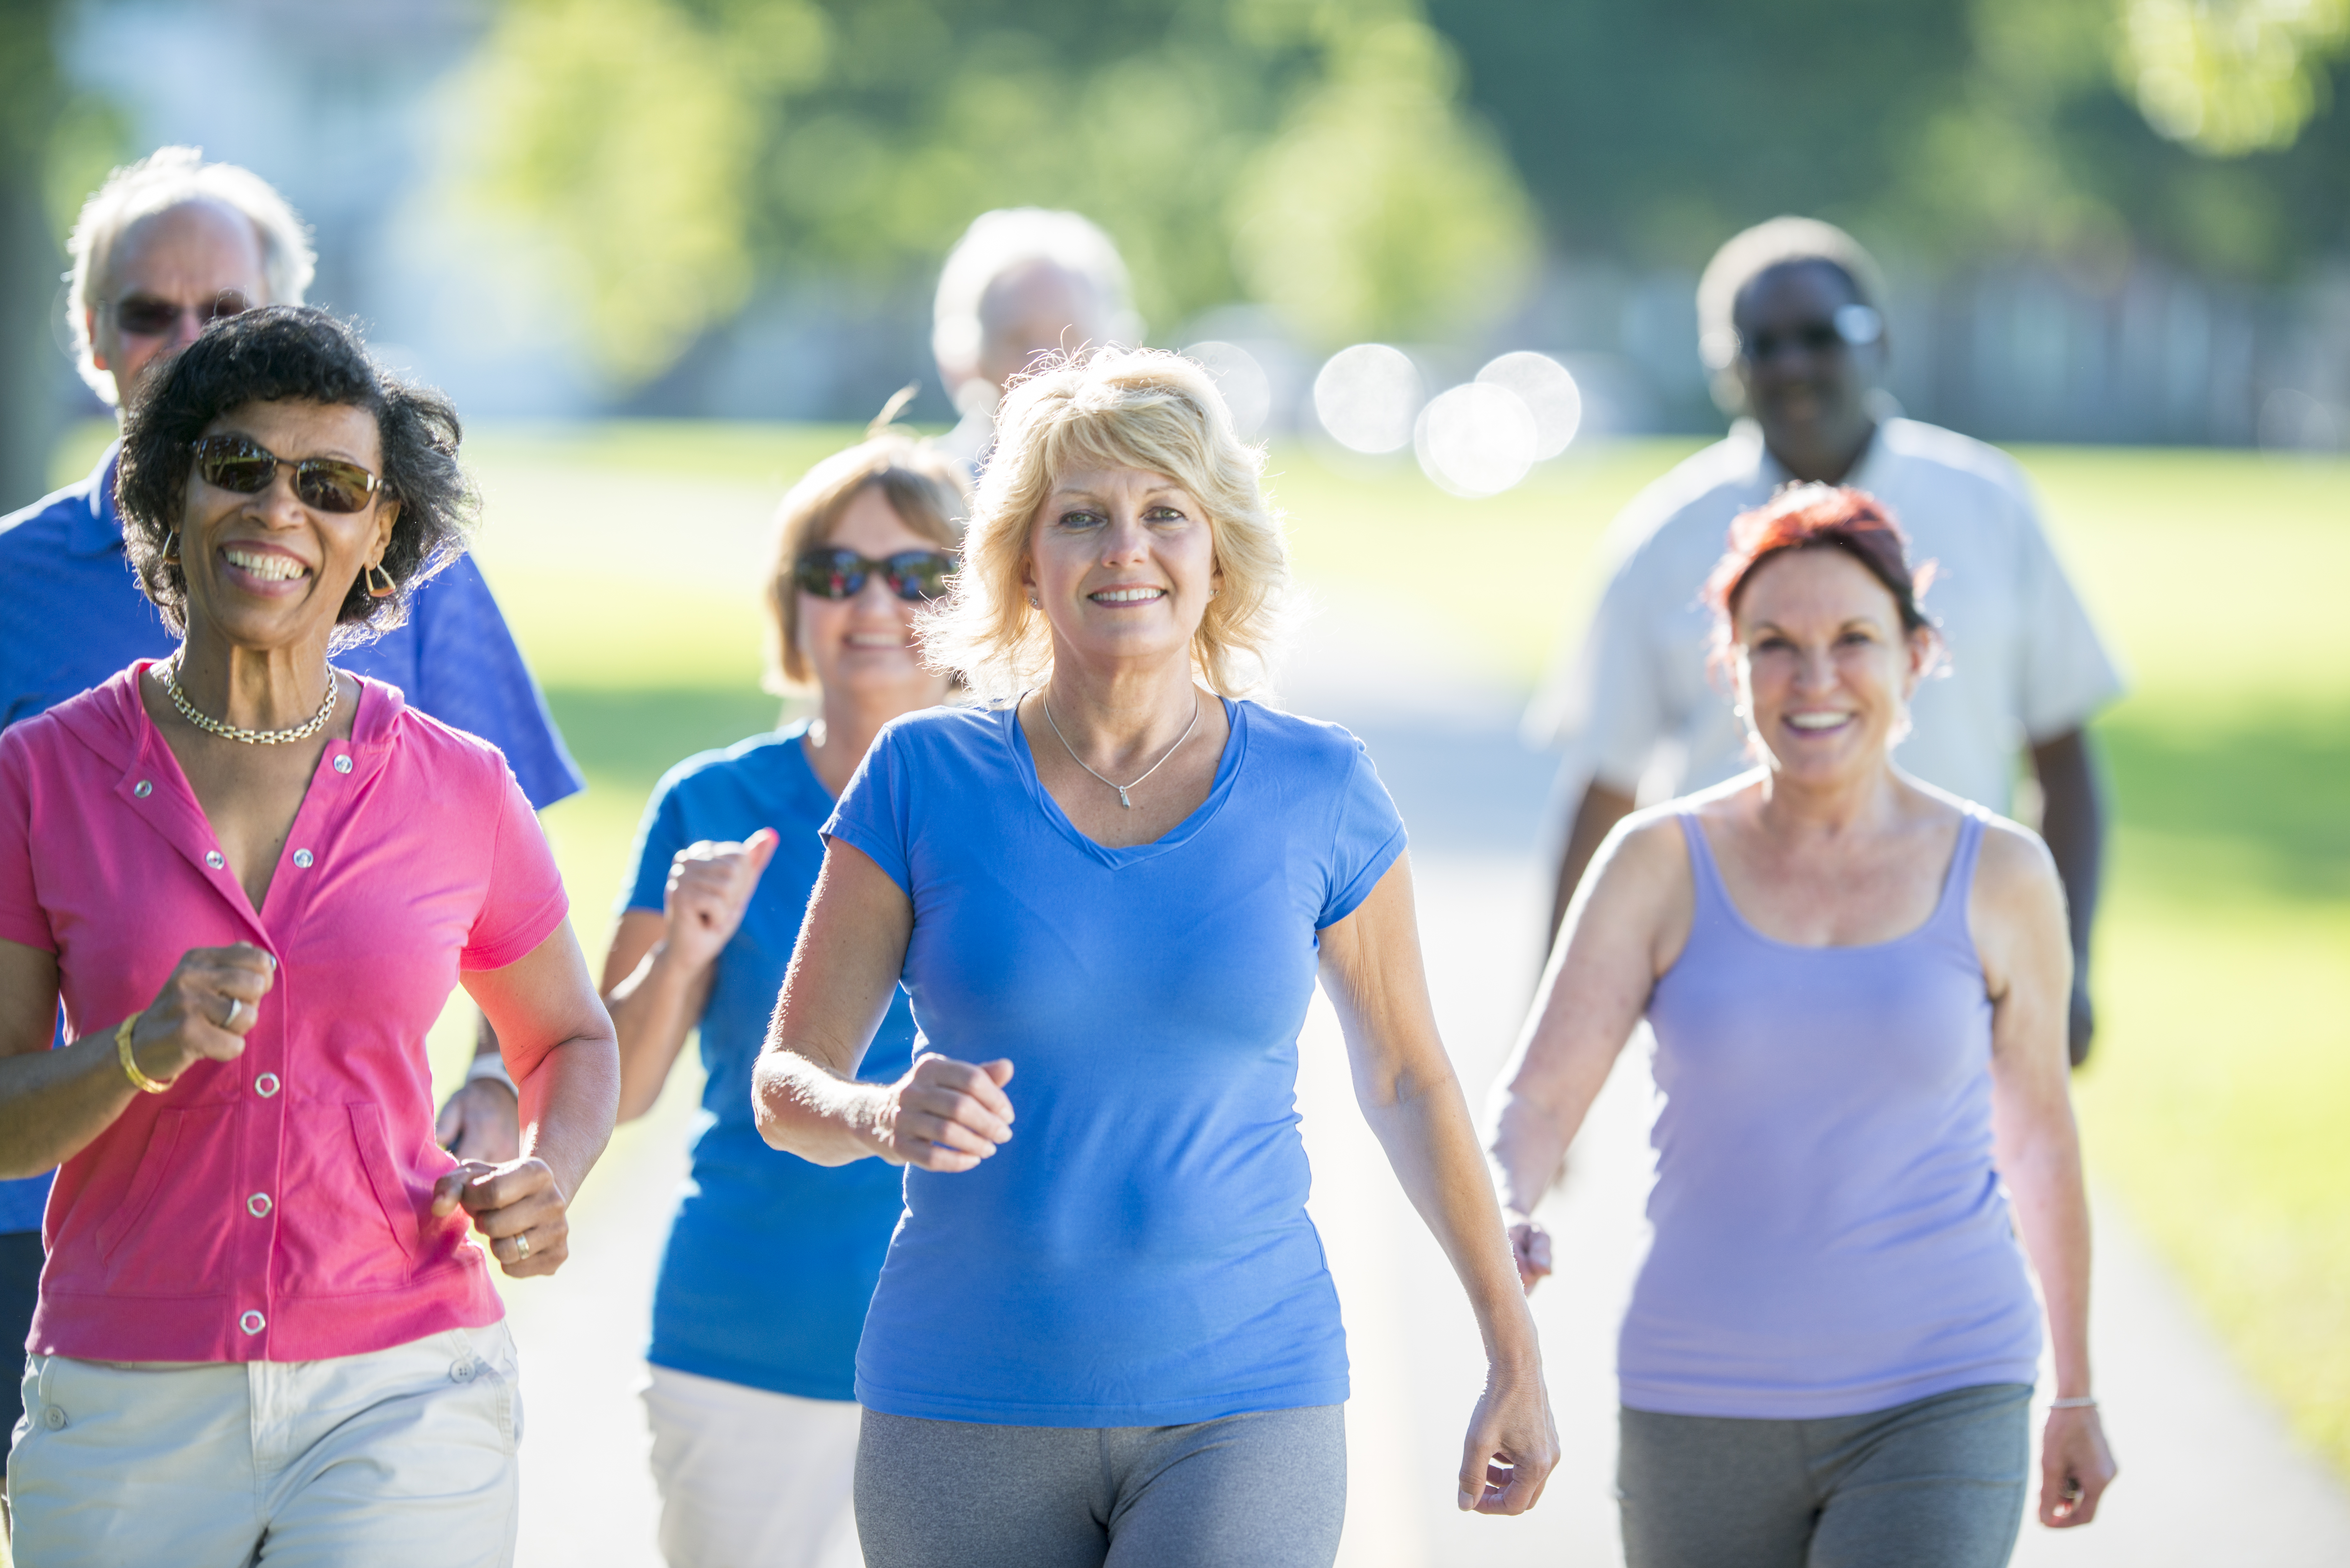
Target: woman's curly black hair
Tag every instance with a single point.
(286, 353)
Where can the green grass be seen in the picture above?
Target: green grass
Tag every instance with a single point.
(628, 556)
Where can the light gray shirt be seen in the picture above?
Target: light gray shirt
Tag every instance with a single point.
(1636, 707)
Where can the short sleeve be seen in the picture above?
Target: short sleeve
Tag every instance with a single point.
(22, 919)
(470, 676)
(1369, 837)
(524, 901)
(2067, 671)
(1605, 707)
(659, 837)
(872, 812)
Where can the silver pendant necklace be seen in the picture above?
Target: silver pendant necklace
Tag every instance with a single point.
(1046, 704)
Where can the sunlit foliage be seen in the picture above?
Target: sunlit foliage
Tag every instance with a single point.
(626, 128)
(1312, 154)
(2229, 77)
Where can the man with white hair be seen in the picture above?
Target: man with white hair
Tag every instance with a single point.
(1791, 326)
(164, 246)
(1021, 281)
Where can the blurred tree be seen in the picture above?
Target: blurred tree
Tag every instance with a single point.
(1954, 130)
(1311, 152)
(30, 256)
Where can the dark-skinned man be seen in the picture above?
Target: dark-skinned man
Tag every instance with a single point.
(1790, 317)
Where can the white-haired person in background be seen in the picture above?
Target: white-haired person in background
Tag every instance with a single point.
(1103, 1330)
(167, 244)
(1792, 323)
(1021, 281)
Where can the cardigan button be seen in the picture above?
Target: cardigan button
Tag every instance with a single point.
(342, 764)
(265, 1085)
(302, 858)
(251, 1322)
(258, 1205)
(215, 859)
(142, 789)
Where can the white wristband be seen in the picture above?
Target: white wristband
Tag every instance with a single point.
(2079, 1402)
(492, 1066)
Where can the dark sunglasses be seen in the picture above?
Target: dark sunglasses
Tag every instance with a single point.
(912, 575)
(145, 316)
(244, 465)
(1853, 327)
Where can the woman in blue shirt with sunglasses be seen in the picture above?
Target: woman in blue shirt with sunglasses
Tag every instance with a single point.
(770, 1259)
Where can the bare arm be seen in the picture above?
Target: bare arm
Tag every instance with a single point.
(1595, 816)
(1624, 928)
(944, 1114)
(558, 1042)
(658, 972)
(1404, 1081)
(55, 1103)
(2072, 820)
(2018, 916)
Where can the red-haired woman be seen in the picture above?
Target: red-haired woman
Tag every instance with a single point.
(1857, 986)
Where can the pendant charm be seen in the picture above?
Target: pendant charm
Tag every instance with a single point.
(1123, 802)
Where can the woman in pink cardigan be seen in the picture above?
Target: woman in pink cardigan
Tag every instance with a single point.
(251, 881)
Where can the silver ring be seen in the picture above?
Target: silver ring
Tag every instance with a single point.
(522, 1249)
(229, 1023)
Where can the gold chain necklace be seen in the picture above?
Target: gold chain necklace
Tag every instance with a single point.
(317, 722)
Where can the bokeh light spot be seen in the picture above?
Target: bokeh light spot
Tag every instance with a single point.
(1476, 440)
(1549, 393)
(1366, 397)
(1248, 393)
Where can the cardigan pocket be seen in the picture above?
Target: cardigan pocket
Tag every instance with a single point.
(171, 1234)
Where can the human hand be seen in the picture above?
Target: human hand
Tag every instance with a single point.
(946, 1114)
(211, 998)
(1512, 1443)
(1530, 1250)
(481, 1123)
(2075, 1467)
(2081, 1023)
(710, 885)
(516, 1207)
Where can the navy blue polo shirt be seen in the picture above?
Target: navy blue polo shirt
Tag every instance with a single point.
(71, 615)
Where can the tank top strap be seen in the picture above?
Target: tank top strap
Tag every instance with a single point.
(1714, 909)
(1950, 918)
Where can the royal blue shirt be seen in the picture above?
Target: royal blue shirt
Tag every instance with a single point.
(770, 1258)
(1139, 1253)
(75, 616)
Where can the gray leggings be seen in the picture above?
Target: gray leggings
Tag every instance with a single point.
(1937, 1483)
(1268, 1489)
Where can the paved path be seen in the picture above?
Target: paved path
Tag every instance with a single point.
(2208, 1475)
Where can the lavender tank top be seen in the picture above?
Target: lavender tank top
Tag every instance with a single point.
(1831, 1236)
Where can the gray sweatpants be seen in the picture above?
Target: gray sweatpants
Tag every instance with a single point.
(1936, 1483)
(1267, 1489)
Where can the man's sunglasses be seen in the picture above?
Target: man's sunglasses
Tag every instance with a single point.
(1854, 326)
(244, 465)
(913, 575)
(145, 316)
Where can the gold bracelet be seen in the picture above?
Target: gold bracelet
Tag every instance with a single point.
(144, 1084)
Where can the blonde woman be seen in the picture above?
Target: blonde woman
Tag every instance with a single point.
(770, 1259)
(1105, 1329)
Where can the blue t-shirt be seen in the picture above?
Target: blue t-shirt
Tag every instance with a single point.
(74, 617)
(1139, 1253)
(770, 1260)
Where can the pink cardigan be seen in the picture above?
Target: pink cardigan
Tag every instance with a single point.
(275, 1207)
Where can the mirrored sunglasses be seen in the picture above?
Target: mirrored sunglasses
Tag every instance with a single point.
(240, 464)
(912, 575)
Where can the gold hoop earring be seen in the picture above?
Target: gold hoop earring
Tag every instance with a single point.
(172, 548)
(386, 590)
